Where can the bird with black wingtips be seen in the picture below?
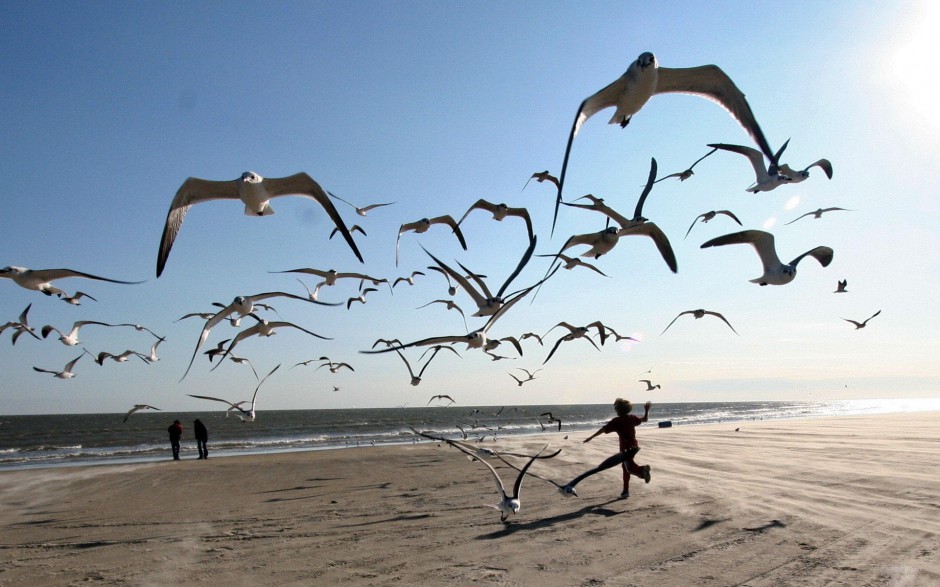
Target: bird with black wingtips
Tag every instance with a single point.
(41, 279)
(775, 271)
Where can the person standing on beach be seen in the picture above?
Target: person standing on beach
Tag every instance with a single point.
(202, 438)
(625, 426)
(176, 432)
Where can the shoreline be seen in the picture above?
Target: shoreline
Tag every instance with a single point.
(814, 501)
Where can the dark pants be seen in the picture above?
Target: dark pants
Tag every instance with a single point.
(203, 449)
(175, 445)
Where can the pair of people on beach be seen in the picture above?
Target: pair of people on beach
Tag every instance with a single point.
(199, 431)
(624, 424)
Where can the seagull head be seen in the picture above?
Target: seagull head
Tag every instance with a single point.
(568, 491)
(611, 230)
(646, 59)
(251, 177)
(13, 269)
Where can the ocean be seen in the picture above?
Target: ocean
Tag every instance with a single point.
(91, 439)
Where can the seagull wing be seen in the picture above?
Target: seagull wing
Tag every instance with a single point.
(753, 155)
(763, 243)
(717, 315)
(449, 221)
(193, 191)
(51, 274)
(821, 254)
(260, 383)
(659, 238)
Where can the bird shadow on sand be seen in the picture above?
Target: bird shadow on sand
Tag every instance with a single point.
(513, 527)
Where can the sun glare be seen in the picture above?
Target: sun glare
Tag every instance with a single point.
(914, 64)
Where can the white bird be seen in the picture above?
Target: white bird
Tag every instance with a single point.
(352, 229)
(243, 361)
(705, 217)
(66, 372)
(248, 415)
(240, 306)
(765, 178)
(330, 276)
(152, 357)
(500, 212)
(410, 280)
(361, 298)
(775, 272)
(859, 325)
(121, 358)
(255, 192)
(365, 209)
(451, 288)
(817, 214)
(798, 176)
(74, 299)
(333, 367)
(568, 489)
(416, 379)
(508, 503)
(41, 279)
(70, 339)
(263, 328)
(684, 175)
(20, 326)
(451, 305)
(575, 332)
(434, 397)
(137, 408)
(699, 314)
(841, 285)
(645, 79)
(542, 176)
(649, 385)
(422, 226)
(572, 262)
(140, 328)
(530, 376)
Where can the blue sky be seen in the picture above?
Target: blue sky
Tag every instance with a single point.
(108, 107)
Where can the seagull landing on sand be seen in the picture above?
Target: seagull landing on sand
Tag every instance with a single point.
(699, 314)
(137, 408)
(775, 272)
(684, 175)
(649, 385)
(508, 503)
(817, 214)
(41, 279)
(248, 415)
(710, 215)
(645, 79)
(422, 226)
(255, 192)
(859, 325)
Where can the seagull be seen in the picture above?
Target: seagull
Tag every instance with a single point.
(766, 178)
(21, 326)
(699, 314)
(574, 332)
(352, 229)
(649, 385)
(248, 415)
(121, 358)
(70, 339)
(684, 175)
(451, 305)
(841, 285)
(775, 272)
(532, 335)
(508, 503)
(542, 176)
(817, 214)
(74, 299)
(242, 306)
(66, 372)
(361, 211)
(137, 408)
(500, 212)
(859, 325)
(551, 419)
(330, 276)
(572, 262)
(798, 176)
(711, 214)
(421, 226)
(252, 189)
(416, 379)
(451, 288)
(530, 376)
(410, 280)
(433, 397)
(140, 328)
(360, 298)
(263, 328)
(643, 80)
(487, 303)
(41, 279)
(333, 367)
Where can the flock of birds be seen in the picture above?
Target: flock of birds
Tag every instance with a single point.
(473, 295)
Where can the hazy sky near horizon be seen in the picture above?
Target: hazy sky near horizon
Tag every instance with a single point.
(108, 107)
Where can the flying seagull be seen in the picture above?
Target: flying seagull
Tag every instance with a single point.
(252, 189)
(699, 314)
(766, 178)
(433, 397)
(798, 176)
(775, 272)
(500, 212)
(542, 176)
(684, 175)
(817, 214)
(644, 79)
(137, 408)
(649, 385)
(248, 415)
(74, 299)
(705, 217)
(20, 326)
(361, 211)
(66, 372)
(41, 279)
(841, 285)
(422, 226)
(859, 325)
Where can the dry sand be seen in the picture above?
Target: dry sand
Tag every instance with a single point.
(835, 501)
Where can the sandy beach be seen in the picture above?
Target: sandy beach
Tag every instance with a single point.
(824, 501)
